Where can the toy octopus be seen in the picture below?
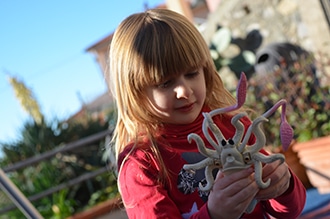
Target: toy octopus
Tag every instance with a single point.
(234, 154)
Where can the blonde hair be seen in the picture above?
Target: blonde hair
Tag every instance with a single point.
(147, 48)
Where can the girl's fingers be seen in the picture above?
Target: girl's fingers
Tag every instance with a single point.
(240, 184)
(280, 181)
(222, 181)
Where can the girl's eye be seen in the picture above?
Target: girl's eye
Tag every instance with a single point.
(165, 84)
(192, 74)
(168, 83)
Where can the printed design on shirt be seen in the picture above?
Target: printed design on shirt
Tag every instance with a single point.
(188, 182)
(193, 210)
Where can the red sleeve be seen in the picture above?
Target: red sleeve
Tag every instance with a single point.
(291, 203)
(142, 194)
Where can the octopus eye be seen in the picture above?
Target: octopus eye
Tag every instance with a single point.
(231, 142)
(223, 142)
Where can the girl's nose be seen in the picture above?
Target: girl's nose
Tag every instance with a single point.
(183, 90)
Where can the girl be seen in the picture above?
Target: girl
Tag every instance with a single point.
(163, 78)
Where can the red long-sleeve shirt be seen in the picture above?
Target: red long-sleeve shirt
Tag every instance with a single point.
(144, 197)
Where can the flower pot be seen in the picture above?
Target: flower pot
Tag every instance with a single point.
(293, 161)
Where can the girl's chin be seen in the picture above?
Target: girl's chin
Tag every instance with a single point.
(184, 121)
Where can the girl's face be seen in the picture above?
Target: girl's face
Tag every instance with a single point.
(179, 99)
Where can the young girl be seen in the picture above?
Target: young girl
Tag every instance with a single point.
(163, 78)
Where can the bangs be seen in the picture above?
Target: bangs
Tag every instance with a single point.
(161, 50)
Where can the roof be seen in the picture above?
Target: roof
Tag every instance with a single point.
(104, 42)
(100, 44)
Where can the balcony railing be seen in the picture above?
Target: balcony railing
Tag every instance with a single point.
(24, 203)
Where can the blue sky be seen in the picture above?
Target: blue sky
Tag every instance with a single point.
(43, 43)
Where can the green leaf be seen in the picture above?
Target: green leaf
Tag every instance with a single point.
(221, 39)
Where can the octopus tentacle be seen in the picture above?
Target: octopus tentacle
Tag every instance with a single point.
(258, 175)
(251, 206)
(260, 136)
(286, 131)
(240, 97)
(268, 158)
(258, 158)
(208, 123)
(239, 127)
(199, 165)
(208, 177)
(201, 146)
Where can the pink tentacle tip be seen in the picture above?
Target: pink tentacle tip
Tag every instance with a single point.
(286, 133)
(241, 90)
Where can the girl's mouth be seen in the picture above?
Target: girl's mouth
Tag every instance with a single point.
(186, 108)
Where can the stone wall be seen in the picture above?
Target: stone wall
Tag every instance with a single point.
(298, 22)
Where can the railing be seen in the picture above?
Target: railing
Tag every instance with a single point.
(18, 198)
(23, 203)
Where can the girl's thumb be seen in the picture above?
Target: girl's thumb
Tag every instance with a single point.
(219, 175)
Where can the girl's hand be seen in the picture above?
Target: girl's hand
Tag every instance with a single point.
(280, 180)
(231, 195)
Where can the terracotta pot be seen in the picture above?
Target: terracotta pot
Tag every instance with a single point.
(293, 161)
